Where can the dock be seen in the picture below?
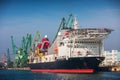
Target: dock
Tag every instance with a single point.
(110, 68)
(25, 68)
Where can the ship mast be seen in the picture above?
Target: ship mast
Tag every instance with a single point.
(75, 24)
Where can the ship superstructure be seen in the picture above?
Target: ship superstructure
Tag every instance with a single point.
(72, 50)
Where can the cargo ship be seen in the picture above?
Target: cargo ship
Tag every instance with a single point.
(73, 50)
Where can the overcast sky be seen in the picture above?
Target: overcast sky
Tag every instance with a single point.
(17, 18)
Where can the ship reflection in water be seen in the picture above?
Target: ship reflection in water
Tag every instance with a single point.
(28, 75)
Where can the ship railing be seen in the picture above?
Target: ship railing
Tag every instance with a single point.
(100, 37)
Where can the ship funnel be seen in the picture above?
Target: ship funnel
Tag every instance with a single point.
(75, 24)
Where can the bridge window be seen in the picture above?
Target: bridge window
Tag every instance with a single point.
(61, 44)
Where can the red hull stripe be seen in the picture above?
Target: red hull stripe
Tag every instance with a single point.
(64, 70)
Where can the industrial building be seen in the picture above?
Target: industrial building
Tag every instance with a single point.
(111, 58)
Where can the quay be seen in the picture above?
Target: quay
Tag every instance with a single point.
(25, 68)
(110, 68)
(117, 69)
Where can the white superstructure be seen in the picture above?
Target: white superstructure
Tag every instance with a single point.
(81, 42)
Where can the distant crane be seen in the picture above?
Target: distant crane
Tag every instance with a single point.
(8, 56)
(13, 45)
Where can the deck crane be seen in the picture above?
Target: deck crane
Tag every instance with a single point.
(62, 25)
(69, 22)
(65, 24)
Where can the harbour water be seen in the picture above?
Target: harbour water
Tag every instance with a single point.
(28, 75)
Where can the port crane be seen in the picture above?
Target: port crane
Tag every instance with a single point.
(22, 52)
(35, 40)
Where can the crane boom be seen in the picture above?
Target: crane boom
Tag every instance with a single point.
(13, 45)
(68, 21)
(62, 25)
(36, 39)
